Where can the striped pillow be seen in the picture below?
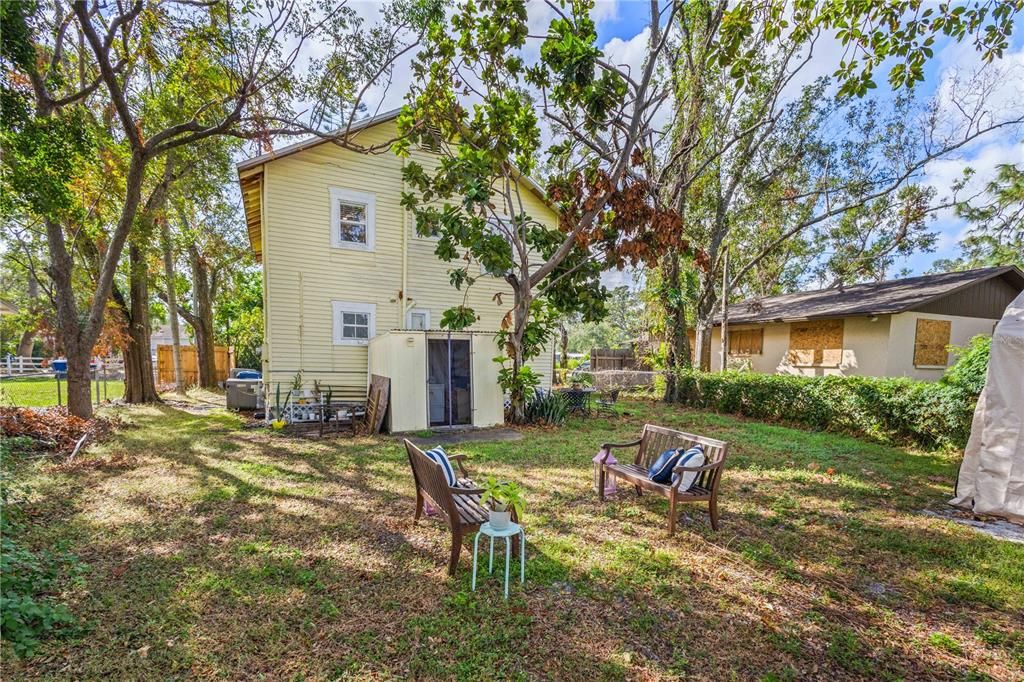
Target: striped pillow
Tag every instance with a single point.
(441, 457)
(694, 457)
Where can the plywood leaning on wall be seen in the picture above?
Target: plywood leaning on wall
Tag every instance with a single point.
(817, 343)
(930, 341)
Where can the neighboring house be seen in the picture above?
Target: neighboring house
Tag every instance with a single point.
(895, 328)
(351, 290)
(162, 336)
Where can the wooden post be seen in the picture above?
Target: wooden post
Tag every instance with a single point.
(59, 403)
(725, 310)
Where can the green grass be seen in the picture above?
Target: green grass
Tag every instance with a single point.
(222, 552)
(42, 391)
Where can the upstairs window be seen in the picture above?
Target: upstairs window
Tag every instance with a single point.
(497, 226)
(352, 219)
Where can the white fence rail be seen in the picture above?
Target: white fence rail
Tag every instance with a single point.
(18, 365)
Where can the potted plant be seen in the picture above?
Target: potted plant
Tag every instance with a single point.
(502, 498)
(279, 422)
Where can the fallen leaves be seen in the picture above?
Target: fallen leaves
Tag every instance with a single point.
(53, 429)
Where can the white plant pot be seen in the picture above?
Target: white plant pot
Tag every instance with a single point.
(500, 519)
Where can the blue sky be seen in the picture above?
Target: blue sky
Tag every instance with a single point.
(621, 25)
(622, 22)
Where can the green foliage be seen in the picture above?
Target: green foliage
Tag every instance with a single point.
(997, 217)
(30, 580)
(623, 322)
(929, 414)
(971, 368)
(547, 408)
(503, 495)
(238, 317)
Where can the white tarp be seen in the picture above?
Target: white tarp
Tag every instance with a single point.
(991, 477)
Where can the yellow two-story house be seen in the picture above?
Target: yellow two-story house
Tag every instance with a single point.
(350, 290)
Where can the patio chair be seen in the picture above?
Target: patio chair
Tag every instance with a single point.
(653, 441)
(606, 401)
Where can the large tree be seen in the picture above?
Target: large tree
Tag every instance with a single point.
(770, 179)
(164, 75)
(996, 217)
(619, 189)
(473, 199)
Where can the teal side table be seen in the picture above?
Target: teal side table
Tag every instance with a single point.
(507, 533)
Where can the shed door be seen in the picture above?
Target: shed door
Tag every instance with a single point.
(449, 400)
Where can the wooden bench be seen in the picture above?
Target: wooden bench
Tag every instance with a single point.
(460, 507)
(654, 441)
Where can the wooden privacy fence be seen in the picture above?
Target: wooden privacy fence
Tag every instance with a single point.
(614, 359)
(190, 364)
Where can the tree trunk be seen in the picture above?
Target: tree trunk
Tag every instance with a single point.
(172, 305)
(139, 384)
(29, 335)
(563, 342)
(78, 383)
(514, 350)
(77, 336)
(203, 320)
(672, 299)
(26, 343)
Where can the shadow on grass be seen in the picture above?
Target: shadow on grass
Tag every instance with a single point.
(229, 552)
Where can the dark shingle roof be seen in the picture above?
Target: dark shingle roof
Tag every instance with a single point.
(876, 298)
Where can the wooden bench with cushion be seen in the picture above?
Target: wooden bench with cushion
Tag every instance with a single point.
(654, 441)
(460, 507)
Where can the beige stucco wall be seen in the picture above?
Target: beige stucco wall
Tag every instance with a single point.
(901, 346)
(303, 273)
(872, 346)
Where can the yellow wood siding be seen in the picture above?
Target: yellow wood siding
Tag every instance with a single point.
(304, 273)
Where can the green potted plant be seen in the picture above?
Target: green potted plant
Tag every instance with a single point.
(502, 497)
(279, 422)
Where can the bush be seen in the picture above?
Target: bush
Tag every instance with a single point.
(29, 580)
(930, 414)
(547, 408)
(971, 365)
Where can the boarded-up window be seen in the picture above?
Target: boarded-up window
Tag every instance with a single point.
(816, 343)
(746, 341)
(930, 343)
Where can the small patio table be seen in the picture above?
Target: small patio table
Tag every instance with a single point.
(507, 533)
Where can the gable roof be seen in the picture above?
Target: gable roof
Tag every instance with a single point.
(250, 176)
(875, 298)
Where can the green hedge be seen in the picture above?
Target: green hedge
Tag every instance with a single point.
(930, 414)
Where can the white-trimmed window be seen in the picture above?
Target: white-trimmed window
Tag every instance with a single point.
(353, 215)
(354, 323)
(498, 225)
(417, 318)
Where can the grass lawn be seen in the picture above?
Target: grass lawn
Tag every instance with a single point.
(222, 552)
(42, 391)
